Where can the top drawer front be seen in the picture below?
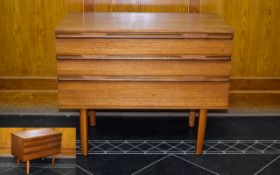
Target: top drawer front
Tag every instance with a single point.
(79, 46)
(42, 141)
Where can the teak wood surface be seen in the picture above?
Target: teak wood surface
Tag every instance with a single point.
(143, 23)
(33, 144)
(143, 61)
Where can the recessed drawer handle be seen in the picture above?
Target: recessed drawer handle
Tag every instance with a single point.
(144, 57)
(147, 35)
(146, 78)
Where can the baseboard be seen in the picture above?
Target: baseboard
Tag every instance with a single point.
(41, 92)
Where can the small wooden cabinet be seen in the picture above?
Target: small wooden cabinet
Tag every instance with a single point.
(143, 61)
(33, 144)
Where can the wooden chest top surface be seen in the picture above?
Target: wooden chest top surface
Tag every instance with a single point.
(144, 23)
(38, 133)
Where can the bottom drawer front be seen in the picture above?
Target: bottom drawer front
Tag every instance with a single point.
(142, 95)
(42, 153)
(42, 147)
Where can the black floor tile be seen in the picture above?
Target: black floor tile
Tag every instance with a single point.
(115, 164)
(4, 170)
(173, 165)
(273, 168)
(141, 128)
(80, 171)
(63, 170)
(176, 128)
(14, 171)
(243, 128)
(227, 164)
(46, 172)
(73, 172)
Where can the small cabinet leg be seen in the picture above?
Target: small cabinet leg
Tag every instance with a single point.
(92, 118)
(201, 131)
(18, 161)
(27, 167)
(84, 131)
(192, 119)
(53, 159)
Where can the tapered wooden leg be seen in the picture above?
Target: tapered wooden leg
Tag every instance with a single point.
(192, 119)
(201, 131)
(84, 131)
(27, 167)
(18, 161)
(53, 158)
(92, 118)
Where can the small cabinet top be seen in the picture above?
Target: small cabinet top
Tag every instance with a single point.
(143, 23)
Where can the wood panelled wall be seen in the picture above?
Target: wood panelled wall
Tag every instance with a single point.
(27, 47)
(68, 143)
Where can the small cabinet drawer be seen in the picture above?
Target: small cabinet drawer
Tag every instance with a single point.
(42, 141)
(79, 46)
(41, 153)
(143, 94)
(38, 148)
(219, 66)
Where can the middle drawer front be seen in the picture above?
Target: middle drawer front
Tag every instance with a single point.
(143, 67)
(79, 46)
(38, 153)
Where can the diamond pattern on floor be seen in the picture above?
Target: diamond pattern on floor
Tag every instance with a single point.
(181, 147)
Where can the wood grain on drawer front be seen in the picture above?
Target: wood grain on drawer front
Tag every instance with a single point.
(38, 148)
(80, 46)
(142, 67)
(142, 95)
(42, 153)
(42, 141)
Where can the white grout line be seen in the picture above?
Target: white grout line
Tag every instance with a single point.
(36, 172)
(194, 164)
(84, 170)
(147, 166)
(267, 165)
(188, 141)
(70, 171)
(187, 153)
(182, 152)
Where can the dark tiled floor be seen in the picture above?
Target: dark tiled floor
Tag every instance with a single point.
(218, 128)
(38, 167)
(251, 144)
(259, 137)
(181, 147)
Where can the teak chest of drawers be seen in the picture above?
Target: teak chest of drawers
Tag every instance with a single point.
(143, 61)
(33, 144)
